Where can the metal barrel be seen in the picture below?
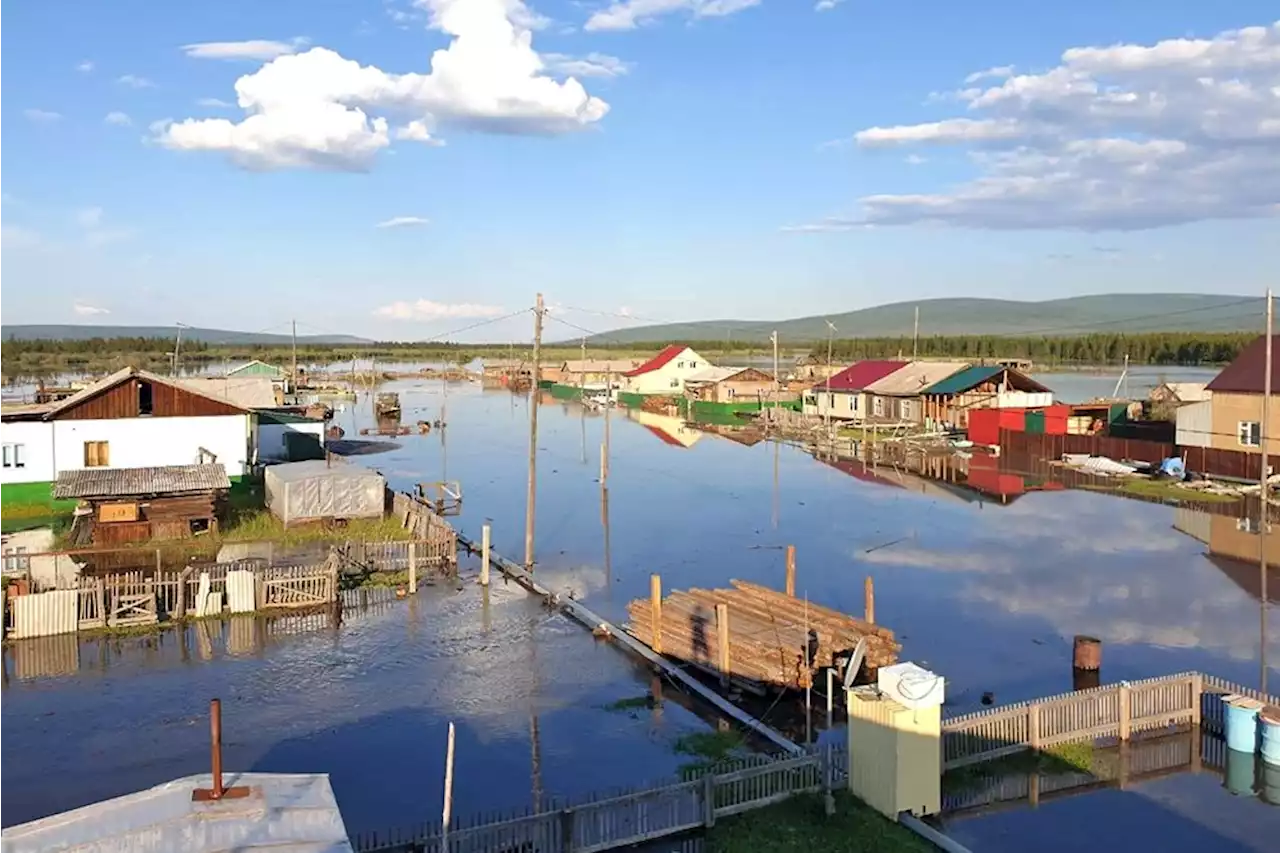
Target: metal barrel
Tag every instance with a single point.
(1241, 723)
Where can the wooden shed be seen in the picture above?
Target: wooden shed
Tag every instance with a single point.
(139, 504)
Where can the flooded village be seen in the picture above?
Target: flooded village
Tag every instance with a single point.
(729, 560)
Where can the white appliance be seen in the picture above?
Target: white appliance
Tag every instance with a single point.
(911, 686)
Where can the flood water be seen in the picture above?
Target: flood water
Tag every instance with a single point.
(987, 593)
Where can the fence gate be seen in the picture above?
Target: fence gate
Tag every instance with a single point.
(298, 588)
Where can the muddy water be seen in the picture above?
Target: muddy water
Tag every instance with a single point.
(988, 594)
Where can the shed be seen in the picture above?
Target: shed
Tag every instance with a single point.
(318, 490)
(283, 812)
(136, 504)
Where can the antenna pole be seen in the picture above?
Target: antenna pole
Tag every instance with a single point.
(531, 499)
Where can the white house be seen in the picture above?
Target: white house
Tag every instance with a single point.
(666, 372)
(130, 419)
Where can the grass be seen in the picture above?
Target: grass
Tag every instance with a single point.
(260, 525)
(630, 703)
(1164, 490)
(707, 749)
(801, 824)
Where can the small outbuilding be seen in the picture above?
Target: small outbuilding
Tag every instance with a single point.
(321, 490)
(138, 504)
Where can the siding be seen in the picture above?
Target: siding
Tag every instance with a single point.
(1195, 425)
(37, 440)
(1230, 409)
(121, 401)
(144, 442)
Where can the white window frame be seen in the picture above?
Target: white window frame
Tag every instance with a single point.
(15, 455)
(1249, 433)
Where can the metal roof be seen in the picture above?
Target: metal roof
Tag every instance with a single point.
(858, 376)
(245, 392)
(970, 377)
(137, 482)
(915, 377)
(711, 374)
(284, 813)
(615, 365)
(1247, 374)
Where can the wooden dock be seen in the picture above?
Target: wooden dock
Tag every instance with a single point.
(602, 627)
(757, 637)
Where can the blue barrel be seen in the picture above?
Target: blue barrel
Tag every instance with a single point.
(1269, 724)
(1241, 723)
(1239, 776)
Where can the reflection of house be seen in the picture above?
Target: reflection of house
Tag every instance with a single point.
(1234, 547)
(1231, 419)
(896, 398)
(842, 396)
(948, 402)
(666, 372)
(670, 430)
(129, 419)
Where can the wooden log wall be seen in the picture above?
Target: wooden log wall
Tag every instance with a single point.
(767, 633)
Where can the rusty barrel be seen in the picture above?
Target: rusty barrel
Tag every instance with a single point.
(1086, 653)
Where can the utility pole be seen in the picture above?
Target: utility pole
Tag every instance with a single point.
(1264, 435)
(177, 347)
(533, 435)
(915, 336)
(831, 331)
(293, 377)
(584, 353)
(608, 405)
(777, 389)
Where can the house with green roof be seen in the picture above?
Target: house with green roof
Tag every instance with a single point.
(947, 402)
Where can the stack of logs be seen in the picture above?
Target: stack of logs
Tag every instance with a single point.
(767, 633)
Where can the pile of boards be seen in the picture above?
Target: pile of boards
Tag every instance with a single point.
(768, 634)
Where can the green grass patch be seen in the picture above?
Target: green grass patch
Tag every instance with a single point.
(801, 824)
(630, 703)
(710, 746)
(261, 525)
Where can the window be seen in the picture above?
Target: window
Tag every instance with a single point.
(97, 454)
(1249, 433)
(693, 364)
(679, 364)
(145, 405)
(831, 401)
(16, 560)
(878, 407)
(15, 456)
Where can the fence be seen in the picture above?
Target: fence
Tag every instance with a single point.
(627, 817)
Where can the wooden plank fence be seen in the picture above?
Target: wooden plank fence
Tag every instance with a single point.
(627, 817)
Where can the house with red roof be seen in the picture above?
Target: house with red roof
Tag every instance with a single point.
(843, 396)
(666, 372)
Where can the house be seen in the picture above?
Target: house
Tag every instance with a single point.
(666, 372)
(1179, 393)
(507, 371)
(144, 503)
(741, 385)
(1231, 419)
(948, 402)
(130, 419)
(583, 372)
(898, 397)
(842, 395)
(286, 437)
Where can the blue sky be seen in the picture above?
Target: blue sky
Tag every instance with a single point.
(671, 159)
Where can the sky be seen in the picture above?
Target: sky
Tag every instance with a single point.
(404, 169)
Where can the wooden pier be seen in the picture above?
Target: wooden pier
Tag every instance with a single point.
(756, 637)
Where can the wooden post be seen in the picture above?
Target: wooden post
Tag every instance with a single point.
(532, 495)
(828, 771)
(655, 611)
(604, 465)
(1197, 692)
(831, 691)
(1033, 725)
(485, 533)
(722, 641)
(1123, 701)
(159, 561)
(791, 571)
(709, 800)
(566, 830)
(102, 602)
(413, 567)
(180, 600)
(869, 600)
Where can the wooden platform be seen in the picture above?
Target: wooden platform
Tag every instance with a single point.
(767, 634)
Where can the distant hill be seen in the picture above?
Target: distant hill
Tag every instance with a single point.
(1125, 312)
(212, 336)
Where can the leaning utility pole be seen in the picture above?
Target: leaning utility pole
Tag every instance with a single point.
(533, 434)
(915, 336)
(1264, 435)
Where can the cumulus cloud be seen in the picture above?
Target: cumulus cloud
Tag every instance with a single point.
(591, 65)
(417, 131)
(252, 49)
(317, 109)
(83, 309)
(133, 81)
(1124, 137)
(629, 14)
(118, 118)
(403, 222)
(425, 309)
(42, 116)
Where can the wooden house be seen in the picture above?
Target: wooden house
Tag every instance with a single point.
(843, 395)
(140, 504)
(746, 385)
(899, 396)
(1180, 393)
(131, 419)
(507, 371)
(948, 402)
(1231, 418)
(583, 372)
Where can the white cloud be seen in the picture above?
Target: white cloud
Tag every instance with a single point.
(403, 222)
(319, 110)
(591, 65)
(118, 118)
(252, 49)
(84, 66)
(214, 102)
(42, 116)
(84, 309)
(89, 217)
(417, 131)
(133, 81)
(826, 5)
(425, 309)
(629, 14)
(1124, 137)
(20, 237)
(915, 160)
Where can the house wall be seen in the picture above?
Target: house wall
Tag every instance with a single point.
(122, 401)
(668, 379)
(272, 444)
(1195, 425)
(1230, 409)
(955, 409)
(36, 438)
(144, 442)
(842, 405)
(882, 407)
(748, 391)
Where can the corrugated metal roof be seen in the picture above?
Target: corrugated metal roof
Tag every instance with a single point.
(284, 813)
(614, 365)
(858, 376)
(136, 482)
(915, 377)
(1246, 375)
(712, 374)
(970, 377)
(666, 355)
(245, 392)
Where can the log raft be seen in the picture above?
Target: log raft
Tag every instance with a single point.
(767, 631)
